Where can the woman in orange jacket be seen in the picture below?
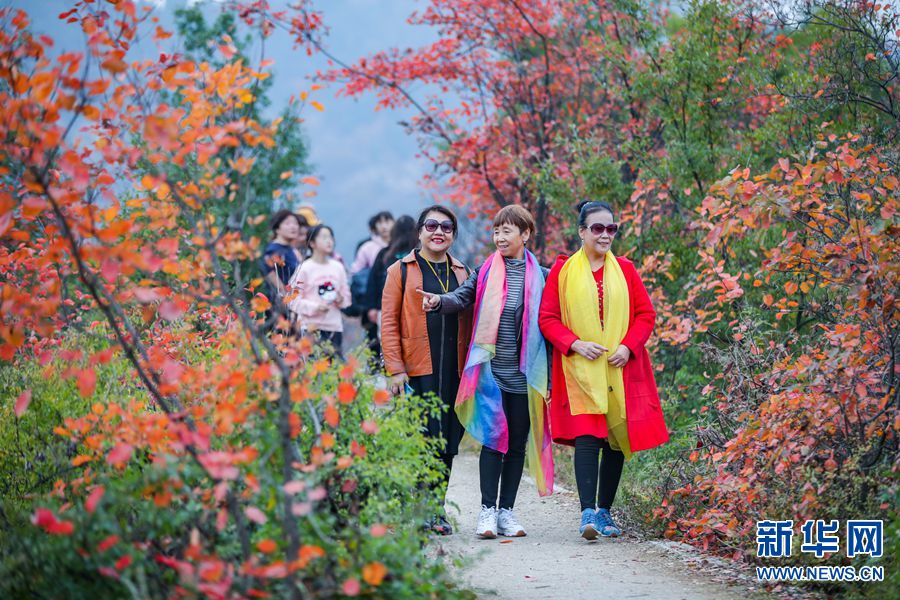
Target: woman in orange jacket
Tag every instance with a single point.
(427, 351)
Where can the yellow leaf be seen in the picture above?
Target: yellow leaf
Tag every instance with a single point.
(317, 105)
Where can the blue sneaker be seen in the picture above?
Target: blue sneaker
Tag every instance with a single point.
(605, 524)
(588, 529)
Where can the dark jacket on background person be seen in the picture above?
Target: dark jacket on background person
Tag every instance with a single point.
(279, 258)
(377, 279)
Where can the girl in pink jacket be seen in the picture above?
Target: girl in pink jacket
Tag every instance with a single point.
(321, 292)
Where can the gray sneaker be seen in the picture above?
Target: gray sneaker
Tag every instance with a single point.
(507, 525)
(487, 523)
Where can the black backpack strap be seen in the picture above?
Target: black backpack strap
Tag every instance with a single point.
(403, 268)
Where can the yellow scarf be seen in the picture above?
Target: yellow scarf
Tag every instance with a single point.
(594, 386)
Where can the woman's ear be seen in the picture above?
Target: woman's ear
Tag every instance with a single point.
(526, 236)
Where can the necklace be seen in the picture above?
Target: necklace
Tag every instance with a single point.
(444, 286)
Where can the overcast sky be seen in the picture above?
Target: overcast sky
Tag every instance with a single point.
(363, 158)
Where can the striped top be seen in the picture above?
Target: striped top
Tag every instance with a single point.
(505, 364)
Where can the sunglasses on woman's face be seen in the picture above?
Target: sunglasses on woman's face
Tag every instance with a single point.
(431, 226)
(598, 228)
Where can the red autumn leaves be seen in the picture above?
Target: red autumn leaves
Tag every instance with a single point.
(48, 521)
(22, 403)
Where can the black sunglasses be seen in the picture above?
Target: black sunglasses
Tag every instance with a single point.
(598, 228)
(431, 226)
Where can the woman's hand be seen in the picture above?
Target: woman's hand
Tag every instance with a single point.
(589, 350)
(398, 382)
(620, 356)
(430, 302)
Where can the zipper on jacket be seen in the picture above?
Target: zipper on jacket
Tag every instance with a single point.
(441, 377)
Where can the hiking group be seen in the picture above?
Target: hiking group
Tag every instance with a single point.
(520, 356)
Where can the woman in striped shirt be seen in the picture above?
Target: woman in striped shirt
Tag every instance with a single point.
(507, 367)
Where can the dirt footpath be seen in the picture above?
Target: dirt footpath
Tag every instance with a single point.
(554, 562)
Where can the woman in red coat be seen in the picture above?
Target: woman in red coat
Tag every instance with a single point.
(598, 316)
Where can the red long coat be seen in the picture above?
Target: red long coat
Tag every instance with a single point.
(643, 413)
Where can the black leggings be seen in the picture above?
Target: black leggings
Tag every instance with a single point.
(505, 470)
(587, 467)
(331, 343)
(447, 459)
(440, 491)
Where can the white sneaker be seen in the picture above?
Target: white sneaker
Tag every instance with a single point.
(487, 523)
(507, 524)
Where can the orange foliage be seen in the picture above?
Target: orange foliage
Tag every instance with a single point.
(810, 411)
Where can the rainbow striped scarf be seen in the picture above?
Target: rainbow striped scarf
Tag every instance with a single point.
(479, 402)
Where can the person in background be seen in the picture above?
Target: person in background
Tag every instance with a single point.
(321, 291)
(309, 213)
(300, 242)
(380, 226)
(598, 316)
(281, 258)
(427, 351)
(404, 239)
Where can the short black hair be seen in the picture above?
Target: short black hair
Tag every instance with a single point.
(436, 208)
(589, 207)
(279, 217)
(375, 219)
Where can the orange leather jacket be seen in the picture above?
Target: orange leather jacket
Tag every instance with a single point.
(404, 332)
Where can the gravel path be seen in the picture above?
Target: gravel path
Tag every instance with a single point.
(554, 562)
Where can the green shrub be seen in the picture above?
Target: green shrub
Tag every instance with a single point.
(162, 524)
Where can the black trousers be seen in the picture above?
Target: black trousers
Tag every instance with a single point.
(439, 492)
(447, 459)
(371, 329)
(504, 471)
(591, 471)
(331, 343)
